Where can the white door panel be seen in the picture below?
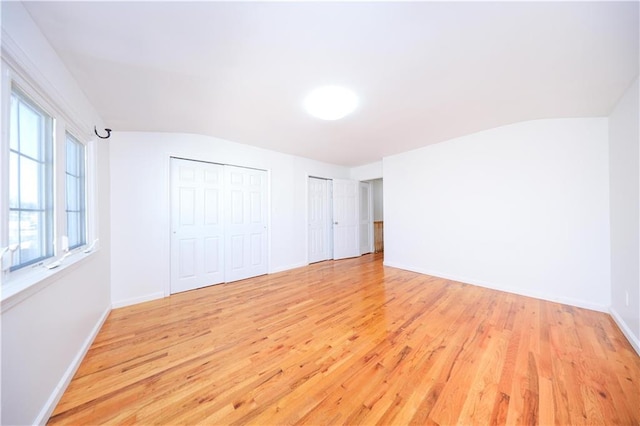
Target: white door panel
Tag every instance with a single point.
(320, 223)
(218, 224)
(212, 255)
(345, 219)
(187, 254)
(246, 226)
(196, 228)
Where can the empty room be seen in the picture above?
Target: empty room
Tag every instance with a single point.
(320, 213)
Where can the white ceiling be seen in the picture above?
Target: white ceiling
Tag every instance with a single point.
(425, 72)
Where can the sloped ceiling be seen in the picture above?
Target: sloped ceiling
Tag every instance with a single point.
(425, 71)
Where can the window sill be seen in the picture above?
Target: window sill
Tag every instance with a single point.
(15, 290)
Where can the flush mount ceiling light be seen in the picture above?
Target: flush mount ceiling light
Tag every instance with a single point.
(330, 102)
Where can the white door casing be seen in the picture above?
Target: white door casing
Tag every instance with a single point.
(245, 223)
(346, 241)
(320, 247)
(197, 235)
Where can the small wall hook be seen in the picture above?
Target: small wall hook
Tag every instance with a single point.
(95, 130)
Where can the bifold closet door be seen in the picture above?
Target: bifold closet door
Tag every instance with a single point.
(197, 229)
(218, 224)
(245, 223)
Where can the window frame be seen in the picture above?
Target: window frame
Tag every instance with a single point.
(46, 183)
(19, 284)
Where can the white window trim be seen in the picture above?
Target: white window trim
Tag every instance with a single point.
(20, 284)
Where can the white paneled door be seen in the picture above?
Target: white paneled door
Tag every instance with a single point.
(346, 242)
(197, 229)
(320, 247)
(246, 222)
(218, 224)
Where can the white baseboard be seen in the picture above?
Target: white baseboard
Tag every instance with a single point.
(634, 340)
(136, 300)
(558, 299)
(57, 393)
(286, 268)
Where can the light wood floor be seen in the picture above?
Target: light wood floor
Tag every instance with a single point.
(353, 342)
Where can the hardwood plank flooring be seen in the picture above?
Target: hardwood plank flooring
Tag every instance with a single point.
(354, 342)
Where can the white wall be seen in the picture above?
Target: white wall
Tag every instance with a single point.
(378, 200)
(624, 163)
(366, 172)
(45, 335)
(522, 208)
(140, 205)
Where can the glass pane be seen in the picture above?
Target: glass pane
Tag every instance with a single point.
(75, 192)
(14, 181)
(82, 233)
(72, 193)
(72, 157)
(14, 227)
(13, 126)
(14, 233)
(31, 132)
(29, 184)
(30, 239)
(73, 228)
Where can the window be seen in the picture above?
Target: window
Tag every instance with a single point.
(75, 192)
(48, 159)
(46, 198)
(30, 181)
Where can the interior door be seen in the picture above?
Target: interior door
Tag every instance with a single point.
(345, 219)
(366, 218)
(319, 220)
(197, 255)
(246, 223)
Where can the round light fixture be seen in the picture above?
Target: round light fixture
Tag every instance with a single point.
(330, 102)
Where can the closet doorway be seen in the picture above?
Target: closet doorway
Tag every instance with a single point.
(218, 224)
